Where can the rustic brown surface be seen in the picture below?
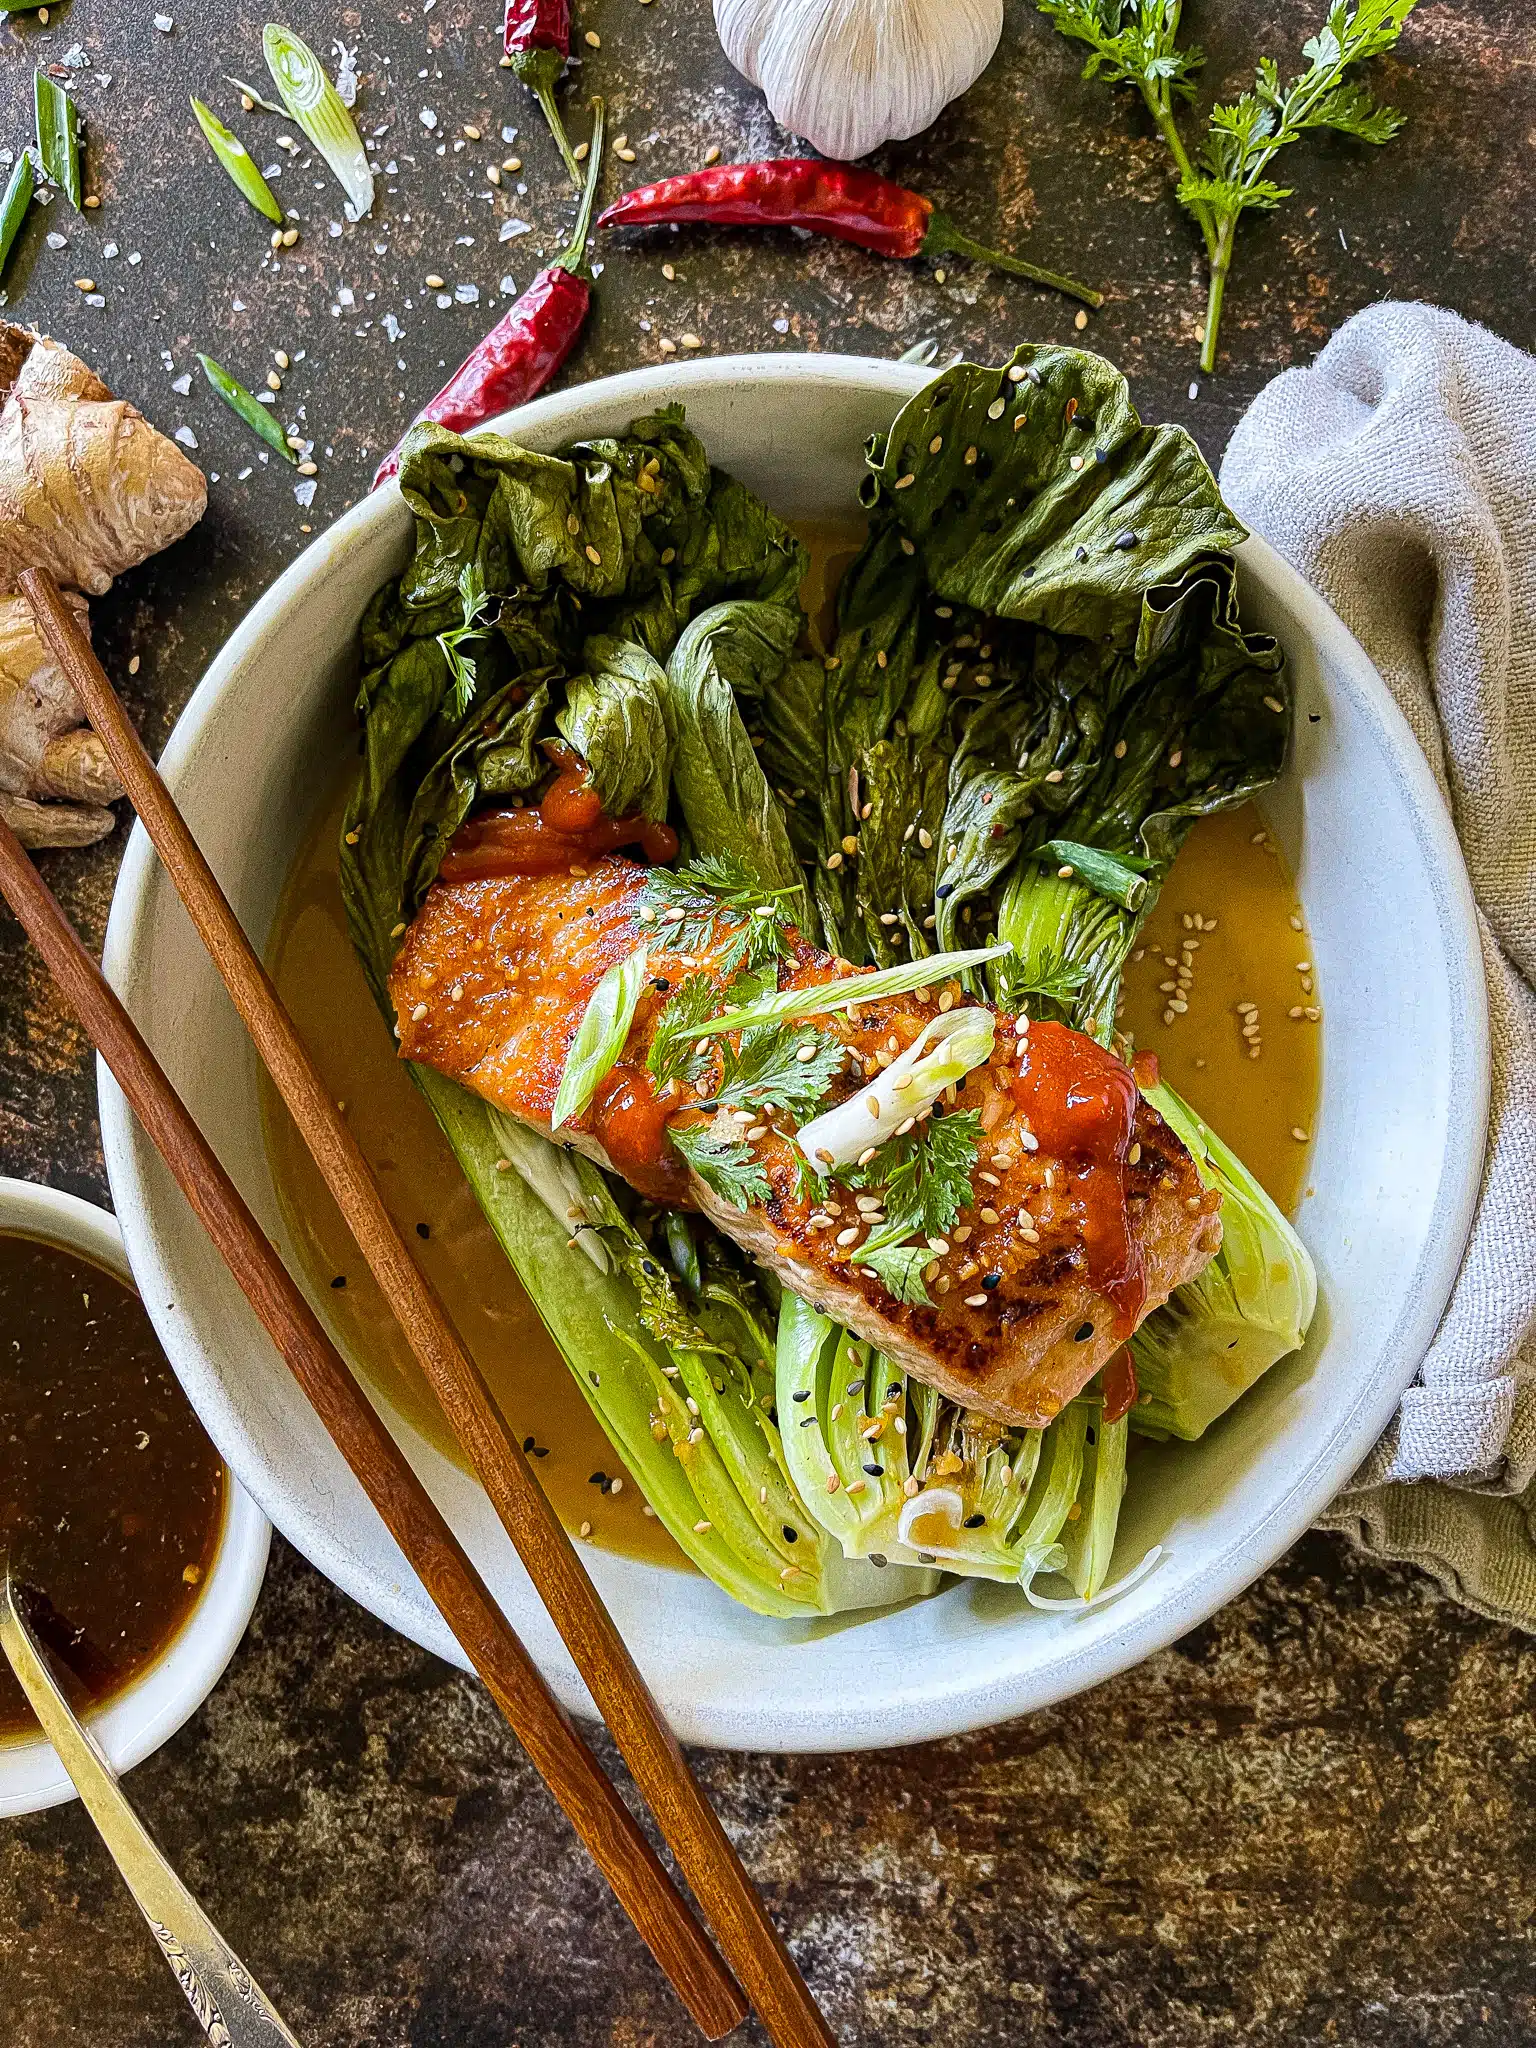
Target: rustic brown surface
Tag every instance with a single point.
(1309, 1822)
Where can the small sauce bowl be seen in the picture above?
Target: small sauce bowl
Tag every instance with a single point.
(171, 1688)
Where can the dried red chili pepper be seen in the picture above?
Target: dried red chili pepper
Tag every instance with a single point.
(526, 347)
(537, 40)
(828, 199)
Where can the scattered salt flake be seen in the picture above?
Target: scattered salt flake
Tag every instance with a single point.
(511, 229)
(182, 384)
(346, 295)
(109, 250)
(304, 493)
(333, 229)
(509, 134)
(509, 290)
(242, 474)
(57, 241)
(781, 327)
(75, 58)
(427, 117)
(265, 398)
(186, 437)
(94, 299)
(467, 294)
(136, 258)
(444, 300)
(164, 23)
(391, 326)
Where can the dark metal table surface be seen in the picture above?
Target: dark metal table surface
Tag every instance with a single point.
(1309, 1822)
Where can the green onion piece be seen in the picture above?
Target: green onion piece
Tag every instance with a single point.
(239, 400)
(847, 995)
(1111, 875)
(257, 99)
(13, 207)
(233, 155)
(58, 136)
(21, 6)
(320, 111)
(600, 1036)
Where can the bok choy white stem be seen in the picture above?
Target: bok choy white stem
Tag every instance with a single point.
(318, 108)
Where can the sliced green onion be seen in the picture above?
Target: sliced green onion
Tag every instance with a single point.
(13, 207)
(234, 156)
(257, 99)
(319, 109)
(58, 136)
(21, 6)
(847, 995)
(943, 1052)
(600, 1036)
(1112, 875)
(240, 401)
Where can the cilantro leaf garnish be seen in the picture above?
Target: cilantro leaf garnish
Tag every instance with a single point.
(474, 599)
(727, 1165)
(1047, 976)
(924, 1178)
(674, 1055)
(689, 904)
(899, 1269)
(769, 1070)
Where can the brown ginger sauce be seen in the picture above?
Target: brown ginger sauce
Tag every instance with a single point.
(1238, 885)
(111, 1497)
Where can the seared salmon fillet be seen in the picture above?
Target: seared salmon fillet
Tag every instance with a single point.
(1086, 1211)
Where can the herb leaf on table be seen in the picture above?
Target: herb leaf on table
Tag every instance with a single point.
(1135, 43)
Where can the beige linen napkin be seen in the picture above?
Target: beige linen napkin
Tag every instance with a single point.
(1398, 474)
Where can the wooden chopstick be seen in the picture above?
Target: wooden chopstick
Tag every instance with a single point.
(541, 1724)
(751, 1943)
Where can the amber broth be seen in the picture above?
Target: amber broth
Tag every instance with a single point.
(1254, 1104)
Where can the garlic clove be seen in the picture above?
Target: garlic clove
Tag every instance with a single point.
(849, 75)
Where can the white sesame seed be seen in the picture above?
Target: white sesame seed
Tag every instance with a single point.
(977, 1300)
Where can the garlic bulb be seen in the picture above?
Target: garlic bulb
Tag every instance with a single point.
(851, 74)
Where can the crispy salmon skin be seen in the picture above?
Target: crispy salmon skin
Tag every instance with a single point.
(1086, 1211)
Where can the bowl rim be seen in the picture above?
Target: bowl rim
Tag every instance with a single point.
(170, 1690)
(927, 1708)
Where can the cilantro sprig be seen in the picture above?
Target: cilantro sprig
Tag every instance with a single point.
(770, 1072)
(1136, 43)
(676, 1055)
(690, 904)
(728, 1166)
(474, 600)
(924, 1178)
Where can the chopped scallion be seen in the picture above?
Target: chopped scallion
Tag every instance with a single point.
(600, 1036)
(256, 99)
(240, 401)
(233, 155)
(58, 136)
(318, 108)
(13, 207)
(846, 995)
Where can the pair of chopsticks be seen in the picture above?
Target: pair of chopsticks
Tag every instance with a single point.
(751, 1943)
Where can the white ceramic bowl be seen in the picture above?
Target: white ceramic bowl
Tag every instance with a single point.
(1398, 1154)
(171, 1690)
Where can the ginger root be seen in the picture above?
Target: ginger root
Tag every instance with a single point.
(88, 488)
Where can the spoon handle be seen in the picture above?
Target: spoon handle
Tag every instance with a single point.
(230, 2006)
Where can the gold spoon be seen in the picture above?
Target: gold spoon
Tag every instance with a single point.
(230, 2006)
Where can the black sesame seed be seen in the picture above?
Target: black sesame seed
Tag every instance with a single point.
(649, 1268)
(855, 1387)
(991, 1280)
(1082, 554)
(944, 890)
(598, 1479)
(708, 1108)
(1082, 1333)
(874, 1471)
(926, 1557)
(423, 1230)
(541, 1450)
(974, 1521)
(801, 1394)
(791, 1535)
(877, 1557)
(1126, 541)
(806, 1421)
(527, 1443)
(340, 1280)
